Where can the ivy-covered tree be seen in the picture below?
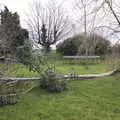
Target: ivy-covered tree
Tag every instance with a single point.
(44, 41)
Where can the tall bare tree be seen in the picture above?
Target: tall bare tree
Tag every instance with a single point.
(109, 3)
(110, 9)
(87, 17)
(48, 24)
(113, 25)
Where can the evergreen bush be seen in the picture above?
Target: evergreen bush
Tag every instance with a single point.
(52, 81)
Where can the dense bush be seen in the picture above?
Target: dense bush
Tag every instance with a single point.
(102, 46)
(96, 45)
(68, 47)
(52, 81)
(24, 53)
(116, 49)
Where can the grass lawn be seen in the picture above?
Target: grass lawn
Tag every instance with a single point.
(95, 68)
(91, 99)
(19, 70)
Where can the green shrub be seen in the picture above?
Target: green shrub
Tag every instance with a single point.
(49, 78)
(24, 53)
(52, 81)
(68, 47)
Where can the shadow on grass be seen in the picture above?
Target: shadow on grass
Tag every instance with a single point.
(38, 91)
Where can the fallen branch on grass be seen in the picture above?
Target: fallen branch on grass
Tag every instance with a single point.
(90, 75)
(64, 76)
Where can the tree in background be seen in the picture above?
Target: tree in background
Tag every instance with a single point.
(25, 53)
(116, 49)
(98, 45)
(68, 47)
(48, 24)
(74, 46)
(43, 40)
(11, 33)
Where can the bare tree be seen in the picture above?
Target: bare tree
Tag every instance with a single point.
(87, 14)
(110, 9)
(48, 25)
(109, 3)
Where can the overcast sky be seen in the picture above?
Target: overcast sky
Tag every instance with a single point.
(21, 7)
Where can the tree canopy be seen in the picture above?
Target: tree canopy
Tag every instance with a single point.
(48, 24)
(97, 45)
(11, 33)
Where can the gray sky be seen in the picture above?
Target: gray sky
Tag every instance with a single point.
(21, 7)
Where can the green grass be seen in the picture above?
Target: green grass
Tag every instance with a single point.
(19, 70)
(95, 68)
(91, 99)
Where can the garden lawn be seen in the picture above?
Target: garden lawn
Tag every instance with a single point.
(95, 68)
(16, 70)
(91, 99)
(19, 70)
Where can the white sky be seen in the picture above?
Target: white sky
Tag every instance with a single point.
(21, 7)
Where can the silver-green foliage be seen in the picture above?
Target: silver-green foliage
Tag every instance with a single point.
(52, 81)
